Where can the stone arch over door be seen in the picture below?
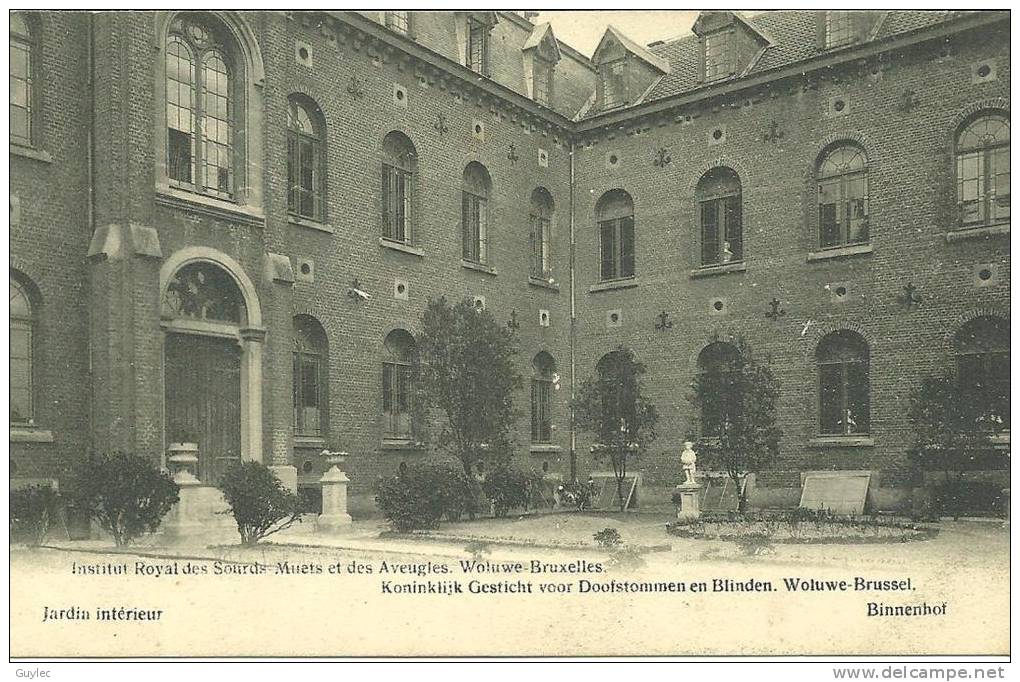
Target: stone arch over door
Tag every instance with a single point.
(218, 322)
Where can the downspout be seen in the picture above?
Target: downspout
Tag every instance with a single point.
(90, 218)
(573, 325)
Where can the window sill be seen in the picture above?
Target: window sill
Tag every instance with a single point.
(30, 434)
(401, 247)
(310, 442)
(712, 270)
(543, 283)
(628, 283)
(842, 442)
(544, 447)
(961, 233)
(840, 252)
(310, 224)
(478, 267)
(209, 206)
(400, 444)
(31, 153)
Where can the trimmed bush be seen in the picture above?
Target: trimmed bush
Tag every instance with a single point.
(510, 488)
(32, 512)
(608, 538)
(420, 495)
(125, 494)
(259, 502)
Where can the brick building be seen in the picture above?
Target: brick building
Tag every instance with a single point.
(225, 225)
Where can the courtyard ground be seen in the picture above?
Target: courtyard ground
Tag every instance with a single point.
(590, 611)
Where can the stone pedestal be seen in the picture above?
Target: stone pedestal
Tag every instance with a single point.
(334, 482)
(198, 517)
(688, 508)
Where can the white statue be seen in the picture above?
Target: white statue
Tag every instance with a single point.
(688, 462)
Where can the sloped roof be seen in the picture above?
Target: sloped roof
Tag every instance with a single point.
(638, 51)
(538, 35)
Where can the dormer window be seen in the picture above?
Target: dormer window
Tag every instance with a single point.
(613, 88)
(399, 21)
(718, 56)
(478, 46)
(838, 28)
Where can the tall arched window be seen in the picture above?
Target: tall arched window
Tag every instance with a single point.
(306, 166)
(201, 102)
(542, 382)
(719, 209)
(398, 177)
(982, 170)
(397, 378)
(982, 365)
(540, 233)
(474, 212)
(311, 377)
(718, 368)
(618, 403)
(21, 365)
(844, 384)
(843, 197)
(614, 214)
(21, 80)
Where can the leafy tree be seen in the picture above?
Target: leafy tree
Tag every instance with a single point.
(737, 400)
(610, 405)
(465, 368)
(32, 512)
(125, 494)
(259, 502)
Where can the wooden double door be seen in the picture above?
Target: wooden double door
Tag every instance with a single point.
(202, 378)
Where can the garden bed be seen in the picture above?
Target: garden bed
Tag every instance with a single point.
(801, 527)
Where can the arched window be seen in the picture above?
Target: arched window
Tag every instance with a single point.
(982, 365)
(397, 381)
(614, 214)
(618, 404)
(540, 233)
(982, 170)
(843, 197)
(201, 106)
(718, 370)
(542, 383)
(474, 212)
(21, 360)
(844, 384)
(22, 82)
(311, 377)
(306, 166)
(719, 209)
(203, 291)
(398, 177)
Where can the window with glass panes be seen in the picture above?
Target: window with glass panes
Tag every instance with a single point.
(983, 371)
(397, 187)
(540, 233)
(542, 81)
(615, 217)
(718, 56)
(982, 171)
(474, 213)
(542, 386)
(305, 172)
(397, 385)
(478, 46)
(844, 384)
(399, 21)
(20, 354)
(21, 84)
(843, 197)
(311, 377)
(718, 370)
(838, 28)
(719, 207)
(200, 109)
(611, 76)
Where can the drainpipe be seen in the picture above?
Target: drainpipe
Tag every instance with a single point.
(90, 208)
(573, 325)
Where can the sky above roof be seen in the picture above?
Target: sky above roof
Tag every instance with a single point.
(583, 29)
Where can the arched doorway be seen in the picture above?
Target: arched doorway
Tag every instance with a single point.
(210, 361)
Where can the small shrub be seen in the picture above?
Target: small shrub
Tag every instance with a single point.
(125, 494)
(478, 550)
(510, 488)
(608, 538)
(755, 544)
(576, 494)
(258, 501)
(32, 512)
(418, 496)
(627, 556)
